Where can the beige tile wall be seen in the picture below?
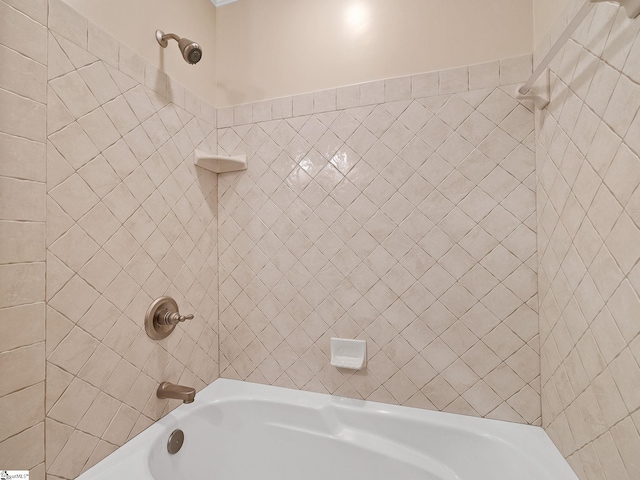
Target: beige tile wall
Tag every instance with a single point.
(129, 219)
(401, 212)
(23, 87)
(588, 142)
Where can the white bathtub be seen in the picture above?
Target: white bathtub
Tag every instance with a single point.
(243, 431)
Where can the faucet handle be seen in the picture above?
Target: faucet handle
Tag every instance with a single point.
(172, 318)
(162, 317)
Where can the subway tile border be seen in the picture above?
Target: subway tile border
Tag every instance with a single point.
(494, 74)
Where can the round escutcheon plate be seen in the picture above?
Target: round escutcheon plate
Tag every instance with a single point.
(152, 327)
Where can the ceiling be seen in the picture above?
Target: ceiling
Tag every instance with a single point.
(219, 3)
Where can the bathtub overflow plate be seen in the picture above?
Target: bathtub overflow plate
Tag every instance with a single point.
(176, 440)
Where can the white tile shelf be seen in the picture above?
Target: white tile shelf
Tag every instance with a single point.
(218, 163)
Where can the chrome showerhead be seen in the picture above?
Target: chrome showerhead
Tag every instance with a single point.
(191, 51)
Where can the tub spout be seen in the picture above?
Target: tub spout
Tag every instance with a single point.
(179, 392)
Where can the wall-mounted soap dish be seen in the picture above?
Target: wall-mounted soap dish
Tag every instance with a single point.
(218, 163)
(347, 353)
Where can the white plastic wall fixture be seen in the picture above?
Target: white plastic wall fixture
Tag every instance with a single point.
(540, 93)
(218, 163)
(631, 6)
(347, 353)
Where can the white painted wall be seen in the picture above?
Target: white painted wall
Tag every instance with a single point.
(272, 48)
(545, 14)
(257, 49)
(134, 24)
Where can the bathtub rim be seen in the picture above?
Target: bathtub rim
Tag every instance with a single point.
(132, 458)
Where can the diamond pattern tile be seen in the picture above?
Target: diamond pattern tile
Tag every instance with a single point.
(409, 223)
(143, 225)
(391, 223)
(587, 280)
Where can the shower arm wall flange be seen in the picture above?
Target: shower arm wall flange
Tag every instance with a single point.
(162, 38)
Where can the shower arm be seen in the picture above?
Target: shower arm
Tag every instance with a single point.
(163, 37)
(541, 96)
(575, 23)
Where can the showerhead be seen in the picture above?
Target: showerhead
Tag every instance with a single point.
(191, 51)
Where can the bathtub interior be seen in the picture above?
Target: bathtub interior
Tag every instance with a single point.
(314, 436)
(264, 444)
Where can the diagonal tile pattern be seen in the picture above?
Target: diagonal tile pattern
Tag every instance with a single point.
(589, 172)
(399, 211)
(408, 223)
(137, 221)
